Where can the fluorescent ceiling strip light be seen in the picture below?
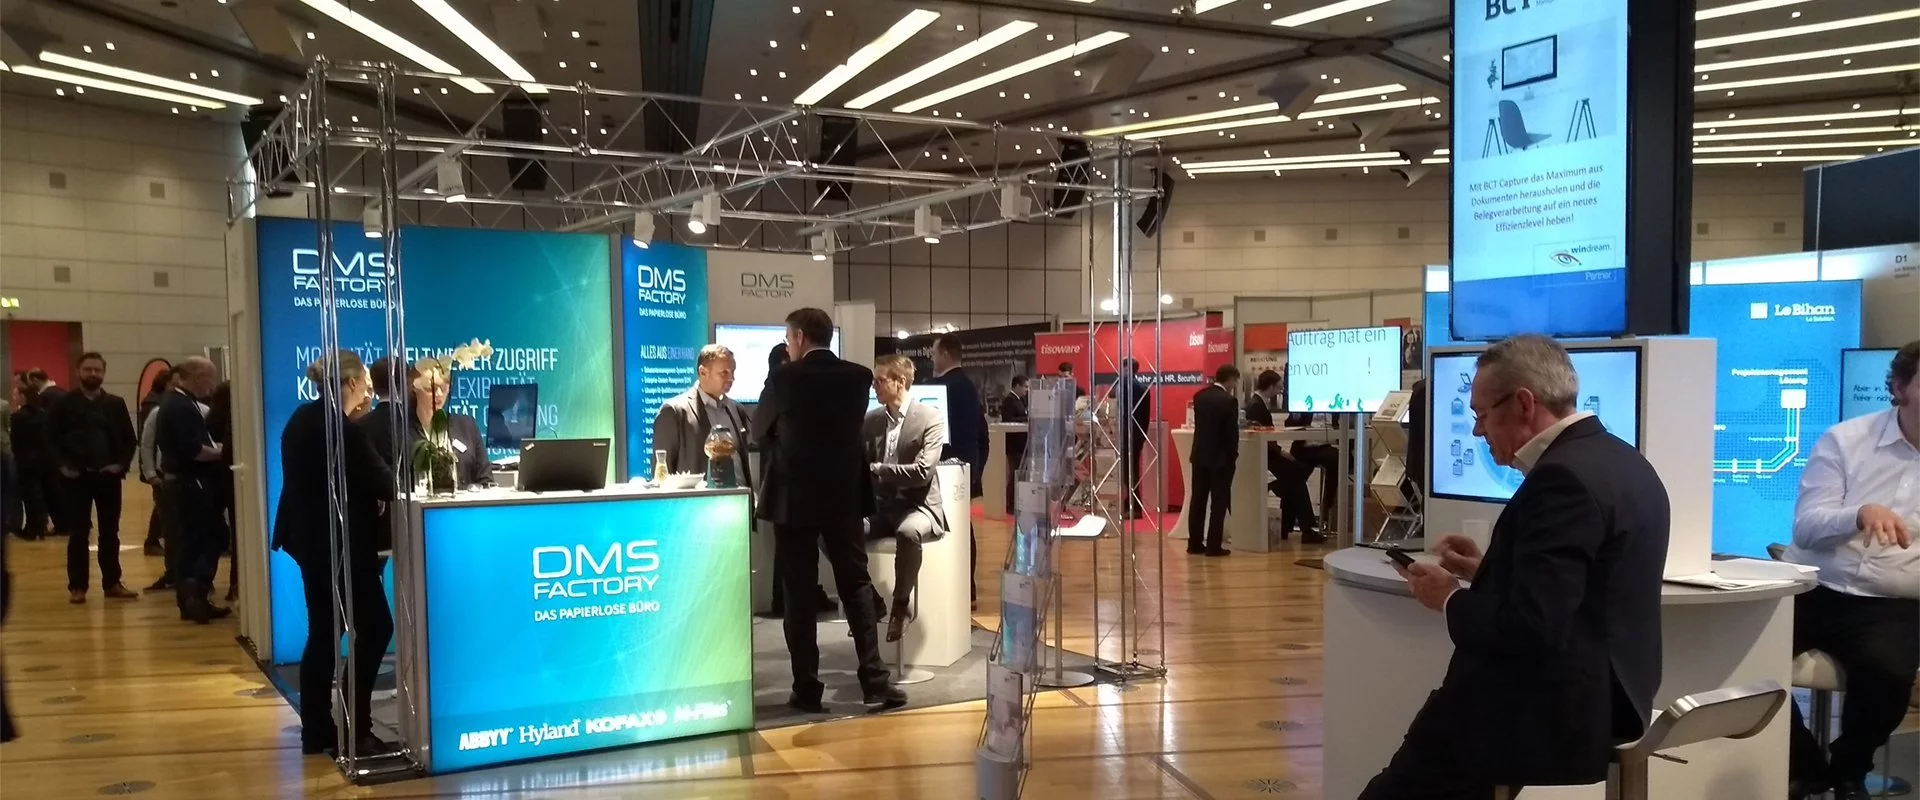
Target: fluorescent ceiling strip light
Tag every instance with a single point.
(1327, 11)
(1796, 134)
(114, 86)
(1745, 8)
(1809, 56)
(1242, 110)
(1075, 50)
(1800, 30)
(1833, 117)
(960, 55)
(1282, 160)
(137, 76)
(1781, 159)
(1204, 6)
(393, 41)
(480, 42)
(865, 57)
(1808, 78)
(1279, 118)
(1200, 171)
(1758, 148)
(1385, 162)
(1322, 113)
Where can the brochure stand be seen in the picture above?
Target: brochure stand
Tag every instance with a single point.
(1028, 583)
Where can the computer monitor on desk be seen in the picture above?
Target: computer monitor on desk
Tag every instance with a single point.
(513, 411)
(563, 465)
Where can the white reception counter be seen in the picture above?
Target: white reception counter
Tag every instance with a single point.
(1385, 652)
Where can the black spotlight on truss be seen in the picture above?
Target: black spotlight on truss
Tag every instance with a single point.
(520, 121)
(839, 143)
(1073, 170)
(1155, 213)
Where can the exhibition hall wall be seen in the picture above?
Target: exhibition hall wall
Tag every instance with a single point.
(114, 219)
(1004, 275)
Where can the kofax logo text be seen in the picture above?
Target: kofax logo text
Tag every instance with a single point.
(362, 272)
(623, 568)
(661, 285)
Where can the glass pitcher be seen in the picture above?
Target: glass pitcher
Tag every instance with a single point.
(721, 446)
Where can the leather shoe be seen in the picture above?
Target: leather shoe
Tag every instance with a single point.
(887, 699)
(806, 705)
(1851, 790)
(77, 598)
(155, 549)
(1313, 537)
(119, 591)
(1196, 551)
(162, 585)
(1802, 789)
(1219, 553)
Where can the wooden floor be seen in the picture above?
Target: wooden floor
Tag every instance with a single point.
(122, 698)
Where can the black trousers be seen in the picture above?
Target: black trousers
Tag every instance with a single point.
(1290, 485)
(199, 533)
(1326, 458)
(796, 562)
(1876, 642)
(372, 632)
(87, 494)
(1131, 475)
(1207, 508)
(33, 500)
(53, 487)
(1425, 767)
(156, 523)
(161, 528)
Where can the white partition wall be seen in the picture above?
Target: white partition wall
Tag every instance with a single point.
(855, 321)
(1675, 434)
(762, 288)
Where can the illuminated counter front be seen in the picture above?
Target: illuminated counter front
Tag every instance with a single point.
(540, 625)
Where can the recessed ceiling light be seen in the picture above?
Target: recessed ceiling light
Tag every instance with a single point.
(79, 81)
(1043, 60)
(1330, 10)
(772, 43)
(60, 92)
(309, 35)
(1190, 51)
(176, 109)
(576, 34)
(464, 30)
(109, 45)
(1026, 96)
(959, 27)
(796, 9)
(136, 76)
(86, 48)
(1802, 30)
(393, 41)
(865, 57)
(563, 65)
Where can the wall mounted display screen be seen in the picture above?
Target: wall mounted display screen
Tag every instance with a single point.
(1530, 62)
(1863, 382)
(934, 395)
(663, 313)
(572, 626)
(1539, 215)
(1777, 390)
(1460, 465)
(1345, 370)
(750, 345)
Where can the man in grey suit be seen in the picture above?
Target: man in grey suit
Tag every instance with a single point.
(903, 441)
(682, 426)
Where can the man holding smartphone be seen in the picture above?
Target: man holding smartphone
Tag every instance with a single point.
(1557, 641)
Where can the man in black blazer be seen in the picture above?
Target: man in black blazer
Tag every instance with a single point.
(966, 429)
(1557, 641)
(91, 432)
(1289, 474)
(1134, 398)
(1216, 448)
(817, 492)
(192, 464)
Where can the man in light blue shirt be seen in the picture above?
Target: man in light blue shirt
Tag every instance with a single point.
(1859, 500)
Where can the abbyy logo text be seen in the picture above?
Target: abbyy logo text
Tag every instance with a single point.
(660, 284)
(573, 572)
(355, 273)
(769, 285)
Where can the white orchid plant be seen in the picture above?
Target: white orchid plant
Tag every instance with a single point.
(433, 454)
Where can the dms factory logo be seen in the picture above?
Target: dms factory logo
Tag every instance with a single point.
(576, 572)
(662, 285)
(773, 286)
(353, 273)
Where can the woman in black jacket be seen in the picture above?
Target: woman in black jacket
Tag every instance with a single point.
(301, 529)
(428, 392)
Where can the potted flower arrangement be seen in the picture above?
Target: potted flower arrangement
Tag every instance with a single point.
(433, 456)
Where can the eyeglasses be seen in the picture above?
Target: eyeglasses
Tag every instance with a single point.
(1479, 416)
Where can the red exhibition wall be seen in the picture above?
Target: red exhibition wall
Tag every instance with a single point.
(44, 345)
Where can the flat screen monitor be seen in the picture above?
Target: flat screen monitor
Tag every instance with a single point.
(925, 394)
(513, 413)
(1341, 371)
(1863, 381)
(1460, 466)
(750, 345)
(1530, 62)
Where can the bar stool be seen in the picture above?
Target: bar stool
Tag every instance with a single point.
(1736, 713)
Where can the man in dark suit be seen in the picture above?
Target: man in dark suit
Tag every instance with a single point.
(191, 463)
(967, 427)
(1289, 474)
(684, 422)
(903, 441)
(1133, 398)
(1216, 448)
(1557, 641)
(91, 432)
(818, 489)
(1013, 404)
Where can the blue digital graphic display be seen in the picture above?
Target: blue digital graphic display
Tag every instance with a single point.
(663, 302)
(568, 626)
(1778, 389)
(1341, 371)
(1539, 216)
(1461, 466)
(1863, 382)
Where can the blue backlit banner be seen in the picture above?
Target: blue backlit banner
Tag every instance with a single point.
(663, 307)
(1778, 389)
(561, 627)
(542, 299)
(1539, 160)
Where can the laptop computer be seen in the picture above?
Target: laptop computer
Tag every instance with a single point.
(563, 465)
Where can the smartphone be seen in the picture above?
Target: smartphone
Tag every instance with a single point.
(1399, 556)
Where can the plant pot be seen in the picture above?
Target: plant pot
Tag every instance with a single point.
(440, 480)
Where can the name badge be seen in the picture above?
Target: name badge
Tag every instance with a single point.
(460, 446)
